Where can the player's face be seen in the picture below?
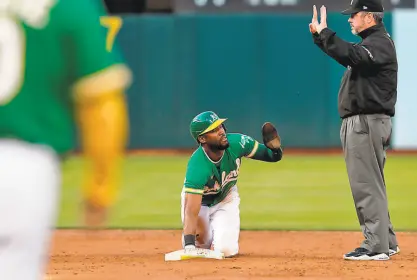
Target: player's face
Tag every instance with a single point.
(216, 139)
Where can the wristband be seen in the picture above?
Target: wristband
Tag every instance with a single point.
(189, 239)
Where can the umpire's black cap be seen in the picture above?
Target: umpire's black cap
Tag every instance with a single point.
(357, 6)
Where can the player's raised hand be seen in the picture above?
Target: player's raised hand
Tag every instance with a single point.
(315, 26)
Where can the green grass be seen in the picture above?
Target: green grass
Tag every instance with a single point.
(300, 193)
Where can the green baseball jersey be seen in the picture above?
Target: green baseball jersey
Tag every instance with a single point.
(48, 50)
(213, 180)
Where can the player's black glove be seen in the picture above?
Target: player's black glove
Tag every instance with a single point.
(270, 137)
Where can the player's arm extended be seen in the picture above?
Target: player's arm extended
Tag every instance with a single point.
(191, 210)
(103, 125)
(263, 153)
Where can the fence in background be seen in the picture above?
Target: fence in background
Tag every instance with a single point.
(250, 68)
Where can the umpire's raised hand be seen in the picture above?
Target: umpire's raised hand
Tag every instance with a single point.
(315, 26)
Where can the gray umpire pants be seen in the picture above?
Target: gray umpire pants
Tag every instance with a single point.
(365, 139)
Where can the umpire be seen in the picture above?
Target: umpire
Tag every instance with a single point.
(366, 103)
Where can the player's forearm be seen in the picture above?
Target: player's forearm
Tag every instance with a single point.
(265, 154)
(103, 125)
(192, 208)
(190, 223)
(190, 228)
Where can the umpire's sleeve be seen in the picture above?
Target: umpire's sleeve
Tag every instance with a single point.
(318, 41)
(350, 54)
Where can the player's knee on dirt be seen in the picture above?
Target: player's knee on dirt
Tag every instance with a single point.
(229, 250)
(227, 244)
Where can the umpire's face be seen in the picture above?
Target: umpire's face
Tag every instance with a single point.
(360, 21)
(215, 139)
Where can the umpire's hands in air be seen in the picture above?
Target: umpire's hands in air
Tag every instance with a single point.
(315, 26)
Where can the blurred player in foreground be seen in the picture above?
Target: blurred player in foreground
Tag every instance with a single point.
(55, 74)
(210, 199)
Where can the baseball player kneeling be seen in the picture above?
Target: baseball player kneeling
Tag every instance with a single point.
(210, 199)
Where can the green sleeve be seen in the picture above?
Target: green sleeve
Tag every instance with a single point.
(196, 177)
(246, 146)
(243, 145)
(94, 69)
(89, 38)
(265, 154)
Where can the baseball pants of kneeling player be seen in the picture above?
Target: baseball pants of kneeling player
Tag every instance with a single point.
(219, 226)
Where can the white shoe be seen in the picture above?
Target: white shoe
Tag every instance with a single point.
(362, 254)
(394, 251)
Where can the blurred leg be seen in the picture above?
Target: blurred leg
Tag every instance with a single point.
(29, 189)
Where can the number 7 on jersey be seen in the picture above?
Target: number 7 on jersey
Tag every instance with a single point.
(113, 24)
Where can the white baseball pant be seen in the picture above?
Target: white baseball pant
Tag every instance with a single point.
(29, 188)
(219, 226)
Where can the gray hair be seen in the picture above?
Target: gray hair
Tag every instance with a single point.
(378, 17)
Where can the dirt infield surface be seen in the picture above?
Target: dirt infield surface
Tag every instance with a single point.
(125, 255)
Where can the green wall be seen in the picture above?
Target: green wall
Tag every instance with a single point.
(248, 68)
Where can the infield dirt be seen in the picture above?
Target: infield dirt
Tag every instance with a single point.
(139, 254)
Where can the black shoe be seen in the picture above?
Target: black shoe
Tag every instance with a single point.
(362, 254)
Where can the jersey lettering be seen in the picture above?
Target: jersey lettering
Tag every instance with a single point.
(244, 140)
(232, 176)
(212, 181)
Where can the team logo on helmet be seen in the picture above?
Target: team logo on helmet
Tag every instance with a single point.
(204, 122)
